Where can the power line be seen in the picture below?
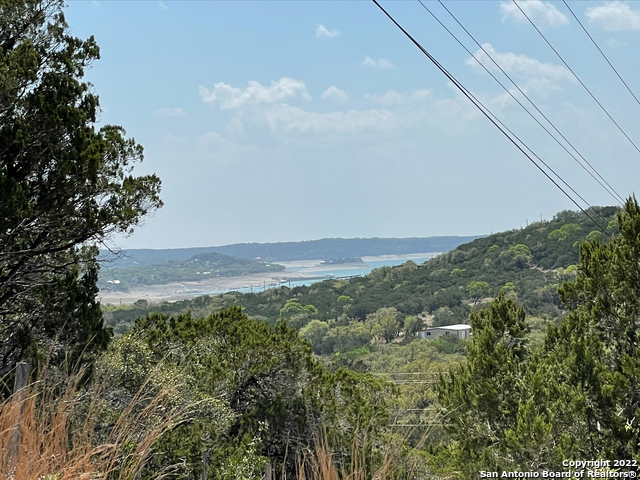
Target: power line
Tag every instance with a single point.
(608, 188)
(605, 57)
(526, 110)
(486, 112)
(577, 78)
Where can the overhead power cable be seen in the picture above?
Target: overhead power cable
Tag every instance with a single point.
(577, 78)
(529, 112)
(608, 188)
(601, 52)
(486, 112)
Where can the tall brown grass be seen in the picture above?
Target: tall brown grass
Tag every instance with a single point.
(56, 427)
(365, 461)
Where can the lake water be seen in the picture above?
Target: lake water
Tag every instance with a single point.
(318, 273)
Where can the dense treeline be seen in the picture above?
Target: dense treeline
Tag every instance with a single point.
(265, 394)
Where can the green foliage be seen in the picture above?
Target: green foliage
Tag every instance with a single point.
(297, 314)
(316, 332)
(478, 289)
(416, 290)
(481, 396)
(245, 464)
(521, 250)
(275, 397)
(564, 232)
(576, 394)
(383, 323)
(295, 307)
(597, 344)
(593, 235)
(64, 185)
(412, 325)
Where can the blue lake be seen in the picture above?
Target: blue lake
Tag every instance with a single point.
(320, 274)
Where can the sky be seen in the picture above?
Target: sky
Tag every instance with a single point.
(271, 121)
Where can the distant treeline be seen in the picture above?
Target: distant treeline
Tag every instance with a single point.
(289, 251)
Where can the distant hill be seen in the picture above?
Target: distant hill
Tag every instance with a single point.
(528, 264)
(290, 251)
(197, 267)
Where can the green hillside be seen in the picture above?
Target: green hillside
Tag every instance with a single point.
(528, 264)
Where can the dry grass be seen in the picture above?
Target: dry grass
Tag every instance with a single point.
(365, 463)
(51, 442)
(57, 439)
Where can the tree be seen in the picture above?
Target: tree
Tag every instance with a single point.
(578, 394)
(64, 184)
(478, 289)
(316, 332)
(279, 397)
(384, 323)
(597, 344)
(296, 314)
(412, 325)
(259, 371)
(481, 396)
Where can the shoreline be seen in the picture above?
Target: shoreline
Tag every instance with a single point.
(298, 270)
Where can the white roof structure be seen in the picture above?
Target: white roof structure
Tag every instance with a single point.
(459, 326)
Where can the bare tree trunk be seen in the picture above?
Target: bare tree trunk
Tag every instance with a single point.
(204, 464)
(267, 472)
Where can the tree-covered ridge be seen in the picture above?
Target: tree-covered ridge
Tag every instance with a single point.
(526, 264)
(576, 395)
(198, 267)
(290, 251)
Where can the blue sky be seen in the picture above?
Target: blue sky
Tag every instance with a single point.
(298, 120)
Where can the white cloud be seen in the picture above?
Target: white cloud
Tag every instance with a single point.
(382, 63)
(170, 112)
(322, 31)
(235, 127)
(396, 98)
(161, 3)
(615, 43)
(614, 16)
(520, 65)
(536, 10)
(213, 138)
(421, 94)
(287, 118)
(334, 93)
(231, 97)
